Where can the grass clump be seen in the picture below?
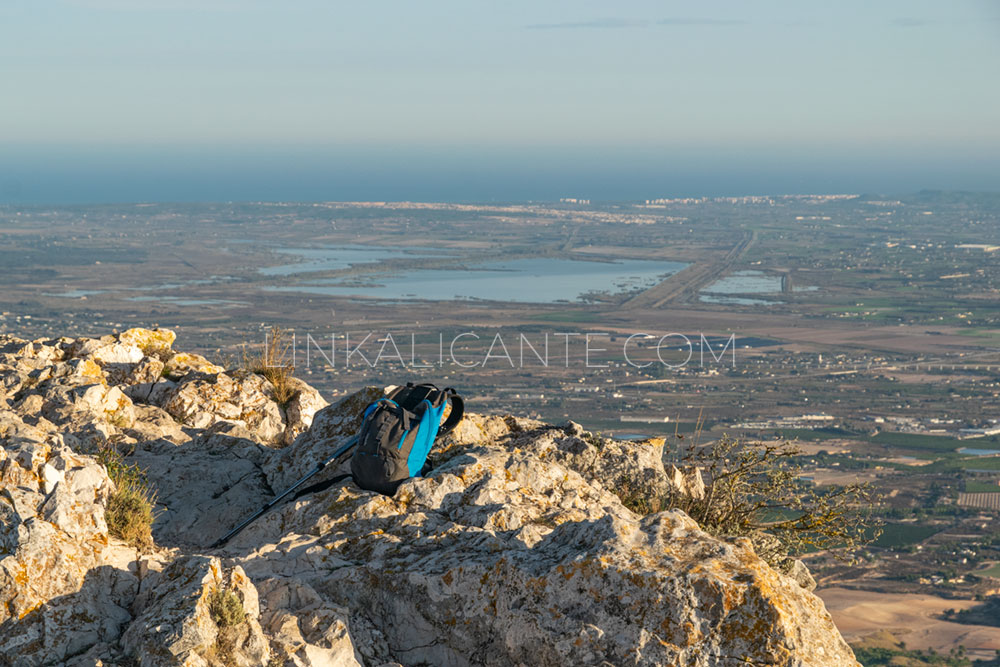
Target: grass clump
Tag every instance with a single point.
(157, 350)
(273, 363)
(226, 608)
(119, 419)
(129, 513)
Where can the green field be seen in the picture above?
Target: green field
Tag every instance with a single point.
(981, 463)
(937, 443)
(978, 486)
(993, 571)
(903, 534)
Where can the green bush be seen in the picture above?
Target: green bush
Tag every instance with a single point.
(226, 608)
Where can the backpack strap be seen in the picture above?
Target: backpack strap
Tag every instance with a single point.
(456, 414)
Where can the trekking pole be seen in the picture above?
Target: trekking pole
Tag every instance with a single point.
(277, 499)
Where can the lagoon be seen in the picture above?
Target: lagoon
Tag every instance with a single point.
(527, 280)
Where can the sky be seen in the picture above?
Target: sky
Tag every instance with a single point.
(192, 100)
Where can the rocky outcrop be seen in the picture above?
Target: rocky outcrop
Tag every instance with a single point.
(58, 567)
(513, 552)
(515, 549)
(305, 630)
(177, 623)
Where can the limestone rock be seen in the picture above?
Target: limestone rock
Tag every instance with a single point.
(304, 630)
(301, 409)
(147, 370)
(506, 554)
(150, 341)
(200, 400)
(55, 553)
(515, 549)
(183, 363)
(152, 423)
(174, 623)
(205, 485)
(331, 427)
(686, 482)
(802, 576)
(67, 629)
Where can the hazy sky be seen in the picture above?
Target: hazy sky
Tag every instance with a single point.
(92, 84)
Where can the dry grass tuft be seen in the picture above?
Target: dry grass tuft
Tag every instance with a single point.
(130, 508)
(273, 364)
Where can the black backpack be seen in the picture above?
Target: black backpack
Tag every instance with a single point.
(398, 431)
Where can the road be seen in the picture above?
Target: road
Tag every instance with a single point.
(688, 282)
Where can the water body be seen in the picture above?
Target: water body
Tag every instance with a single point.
(184, 301)
(733, 300)
(746, 282)
(38, 174)
(971, 451)
(335, 258)
(529, 280)
(78, 293)
(733, 288)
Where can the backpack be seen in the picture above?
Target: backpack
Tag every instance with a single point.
(398, 431)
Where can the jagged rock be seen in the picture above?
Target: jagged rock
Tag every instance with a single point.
(90, 413)
(200, 400)
(305, 631)
(150, 341)
(52, 534)
(174, 623)
(802, 576)
(69, 629)
(152, 423)
(117, 354)
(505, 555)
(152, 393)
(148, 369)
(331, 426)
(686, 482)
(206, 485)
(64, 584)
(183, 363)
(300, 411)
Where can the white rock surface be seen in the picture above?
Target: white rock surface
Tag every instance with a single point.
(505, 555)
(200, 400)
(174, 624)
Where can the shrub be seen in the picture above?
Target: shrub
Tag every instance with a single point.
(129, 514)
(226, 608)
(752, 490)
(273, 364)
